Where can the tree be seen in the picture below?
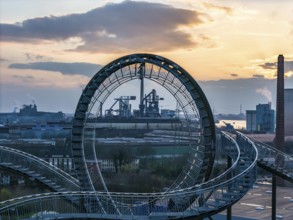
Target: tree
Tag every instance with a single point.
(5, 194)
(121, 156)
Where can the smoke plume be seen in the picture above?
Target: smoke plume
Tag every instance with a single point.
(265, 92)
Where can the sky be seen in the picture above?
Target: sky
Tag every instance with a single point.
(49, 50)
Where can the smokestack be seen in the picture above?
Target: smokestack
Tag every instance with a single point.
(279, 137)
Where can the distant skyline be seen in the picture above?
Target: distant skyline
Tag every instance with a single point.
(50, 49)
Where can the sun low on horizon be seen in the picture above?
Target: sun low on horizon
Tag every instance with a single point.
(49, 50)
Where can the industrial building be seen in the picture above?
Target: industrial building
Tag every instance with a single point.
(29, 114)
(261, 120)
(251, 120)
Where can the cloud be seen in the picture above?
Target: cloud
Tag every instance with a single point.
(225, 9)
(127, 26)
(31, 56)
(288, 66)
(258, 76)
(24, 79)
(86, 69)
(206, 41)
(268, 65)
(3, 60)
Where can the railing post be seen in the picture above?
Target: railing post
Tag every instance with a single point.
(229, 209)
(274, 185)
(229, 213)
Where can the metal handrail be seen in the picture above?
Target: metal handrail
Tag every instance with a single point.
(53, 169)
(213, 196)
(273, 156)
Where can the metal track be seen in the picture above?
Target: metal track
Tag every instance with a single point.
(203, 200)
(37, 168)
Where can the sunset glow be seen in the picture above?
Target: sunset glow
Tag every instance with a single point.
(224, 45)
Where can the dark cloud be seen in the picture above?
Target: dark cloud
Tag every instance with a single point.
(288, 66)
(30, 56)
(258, 76)
(269, 65)
(233, 74)
(86, 69)
(127, 26)
(23, 77)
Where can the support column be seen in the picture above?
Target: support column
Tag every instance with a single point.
(141, 77)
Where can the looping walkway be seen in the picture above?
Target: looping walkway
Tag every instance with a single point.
(37, 168)
(200, 200)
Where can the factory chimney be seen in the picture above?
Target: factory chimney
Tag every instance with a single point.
(279, 137)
